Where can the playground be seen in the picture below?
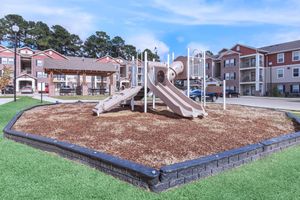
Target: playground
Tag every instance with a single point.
(159, 137)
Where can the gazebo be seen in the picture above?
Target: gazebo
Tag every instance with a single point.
(80, 67)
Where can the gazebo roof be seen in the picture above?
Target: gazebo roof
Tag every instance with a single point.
(77, 65)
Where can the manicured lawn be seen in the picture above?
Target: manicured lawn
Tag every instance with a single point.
(96, 97)
(27, 173)
(297, 113)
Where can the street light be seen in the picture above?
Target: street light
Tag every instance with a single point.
(15, 29)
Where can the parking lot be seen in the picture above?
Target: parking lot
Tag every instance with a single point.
(265, 102)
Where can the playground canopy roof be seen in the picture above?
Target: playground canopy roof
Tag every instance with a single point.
(77, 65)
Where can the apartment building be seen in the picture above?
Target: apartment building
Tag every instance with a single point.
(31, 70)
(282, 71)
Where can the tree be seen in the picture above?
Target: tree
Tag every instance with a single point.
(117, 47)
(6, 33)
(151, 55)
(39, 36)
(5, 77)
(97, 45)
(129, 51)
(64, 42)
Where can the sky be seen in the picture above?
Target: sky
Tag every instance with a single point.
(170, 25)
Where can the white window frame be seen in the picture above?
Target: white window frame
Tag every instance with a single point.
(298, 72)
(4, 60)
(295, 91)
(10, 61)
(281, 88)
(280, 69)
(293, 54)
(39, 63)
(232, 77)
(279, 57)
(227, 62)
(227, 76)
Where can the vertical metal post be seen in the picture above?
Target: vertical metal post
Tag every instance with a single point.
(41, 92)
(153, 95)
(224, 94)
(204, 77)
(168, 63)
(188, 72)
(145, 82)
(173, 57)
(15, 69)
(133, 84)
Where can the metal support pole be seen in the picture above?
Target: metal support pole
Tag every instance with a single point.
(168, 63)
(41, 92)
(188, 72)
(132, 82)
(15, 69)
(204, 77)
(145, 82)
(153, 95)
(224, 95)
(173, 57)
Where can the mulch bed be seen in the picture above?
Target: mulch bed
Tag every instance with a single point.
(159, 137)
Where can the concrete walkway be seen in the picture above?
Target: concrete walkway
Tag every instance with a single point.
(54, 100)
(5, 100)
(266, 102)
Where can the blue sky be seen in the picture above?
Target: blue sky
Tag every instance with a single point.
(170, 25)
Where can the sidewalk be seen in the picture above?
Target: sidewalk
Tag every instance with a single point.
(54, 100)
(266, 102)
(5, 100)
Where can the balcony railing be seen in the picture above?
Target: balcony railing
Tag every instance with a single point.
(246, 79)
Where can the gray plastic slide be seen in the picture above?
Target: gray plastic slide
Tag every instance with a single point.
(116, 99)
(169, 94)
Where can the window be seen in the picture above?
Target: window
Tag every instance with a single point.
(232, 76)
(296, 72)
(4, 61)
(280, 73)
(39, 63)
(280, 88)
(41, 75)
(295, 88)
(232, 62)
(227, 63)
(296, 55)
(206, 65)
(10, 61)
(227, 76)
(280, 58)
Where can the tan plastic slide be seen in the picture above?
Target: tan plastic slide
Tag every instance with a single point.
(170, 95)
(115, 100)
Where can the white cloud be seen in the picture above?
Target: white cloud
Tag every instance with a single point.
(198, 46)
(224, 12)
(281, 36)
(73, 18)
(148, 40)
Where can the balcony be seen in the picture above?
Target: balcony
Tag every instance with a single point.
(249, 79)
(26, 71)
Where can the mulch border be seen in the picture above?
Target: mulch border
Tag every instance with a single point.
(149, 178)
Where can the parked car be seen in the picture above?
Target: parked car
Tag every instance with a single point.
(231, 93)
(27, 90)
(196, 93)
(8, 90)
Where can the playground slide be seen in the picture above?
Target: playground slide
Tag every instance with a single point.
(115, 100)
(175, 99)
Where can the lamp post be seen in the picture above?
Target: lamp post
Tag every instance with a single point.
(15, 29)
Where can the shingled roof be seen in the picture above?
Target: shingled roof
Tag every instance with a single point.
(282, 47)
(79, 64)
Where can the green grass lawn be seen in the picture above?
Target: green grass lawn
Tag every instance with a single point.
(28, 173)
(96, 97)
(297, 113)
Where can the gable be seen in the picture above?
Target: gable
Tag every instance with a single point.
(2, 47)
(54, 54)
(107, 59)
(244, 50)
(26, 50)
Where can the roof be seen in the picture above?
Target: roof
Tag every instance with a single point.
(79, 64)
(282, 47)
